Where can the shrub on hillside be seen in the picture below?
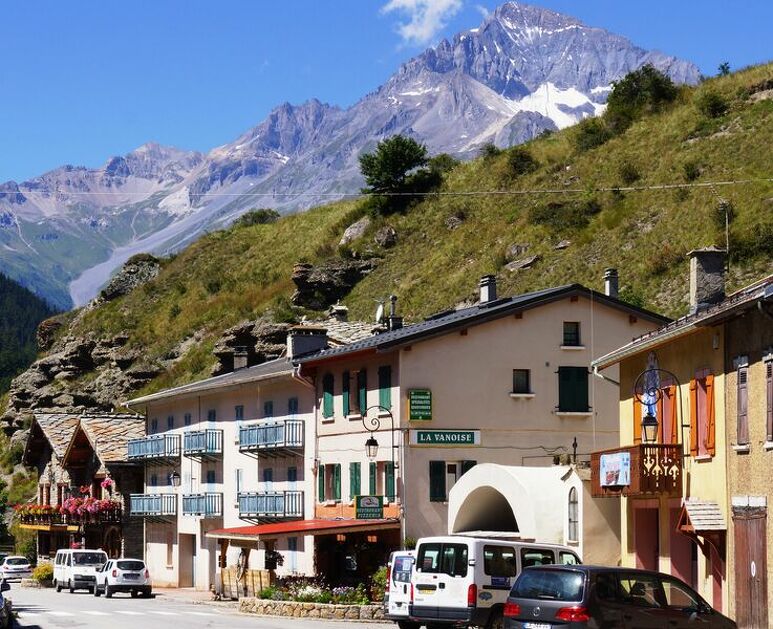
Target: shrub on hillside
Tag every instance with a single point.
(643, 91)
(489, 150)
(691, 170)
(628, 172)
(710, 104)
(260, 216)
(589, 134)
(561, 216)
(520, 161)
(442, 163)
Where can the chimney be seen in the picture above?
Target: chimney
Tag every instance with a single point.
(707, 277)
(610, 283)
(305, 339)
(394, 322)
(240, 357)
(488, 288)
(339, 312)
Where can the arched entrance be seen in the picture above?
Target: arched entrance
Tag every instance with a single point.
(485, 509)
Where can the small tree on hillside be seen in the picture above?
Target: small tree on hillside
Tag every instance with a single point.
(724, 68)
(643, 91)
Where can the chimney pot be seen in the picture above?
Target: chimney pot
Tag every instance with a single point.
(488, 288)
(305, 340)
(339, 312)
(394, 322)
(611, 284)
(240, 357)
(707, 277)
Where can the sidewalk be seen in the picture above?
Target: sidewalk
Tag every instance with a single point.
(190, 595)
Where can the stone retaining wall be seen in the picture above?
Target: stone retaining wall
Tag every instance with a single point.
(310, 610)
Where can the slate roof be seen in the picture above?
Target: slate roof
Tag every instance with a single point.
(109, 434)
(58, 429)
(452, 319)
(343, 332)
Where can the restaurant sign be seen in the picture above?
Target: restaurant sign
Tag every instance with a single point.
(369, 507)
(420, 404)
(445, 437)
(615, 469)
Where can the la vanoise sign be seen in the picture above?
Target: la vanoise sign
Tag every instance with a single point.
(445, 437)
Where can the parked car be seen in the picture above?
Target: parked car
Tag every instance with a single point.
(397, 595)
(75, 569)
(6, 611)
(15, 567)
(463, 580)
(595, 596)
(123, 575)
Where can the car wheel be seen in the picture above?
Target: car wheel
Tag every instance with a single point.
(57, 585)
(407, 624)
(96, 591)
(134, 593)
(70, 586)
(496, 620)
(147, 593)
(108, 590)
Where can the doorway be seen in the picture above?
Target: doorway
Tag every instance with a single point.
(751, 573)
(186, 560)
(645, 537)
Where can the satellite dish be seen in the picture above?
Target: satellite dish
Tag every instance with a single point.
(379, 313)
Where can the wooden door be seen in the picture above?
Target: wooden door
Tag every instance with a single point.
(751, 574)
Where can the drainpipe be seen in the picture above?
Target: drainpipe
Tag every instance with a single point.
(598, 374)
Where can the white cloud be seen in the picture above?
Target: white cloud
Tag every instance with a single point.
(425, 18)
(483, 10)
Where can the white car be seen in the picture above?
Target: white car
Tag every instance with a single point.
(15, 567)
(123, 575)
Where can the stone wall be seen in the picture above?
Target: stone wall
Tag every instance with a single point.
(311, 610)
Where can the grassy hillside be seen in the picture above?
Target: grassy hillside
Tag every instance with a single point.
(236, 274)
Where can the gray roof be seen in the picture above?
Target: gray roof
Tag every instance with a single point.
(264, 371)
(452, 319)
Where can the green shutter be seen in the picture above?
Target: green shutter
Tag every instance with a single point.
(468, 465)
(385, 386)
(345, 392)
(362, 390)
(390, 481)
(336, 481)
(328, 383)
(354, 480)
(372, 479)
(321, 482)
(437, 481)
(572, 389)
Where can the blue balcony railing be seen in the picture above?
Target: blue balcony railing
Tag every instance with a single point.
(154, 447)
(271, 505)
(209, 505)
(153, 505)
(207, 442)
(272, 435)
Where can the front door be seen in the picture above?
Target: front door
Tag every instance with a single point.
(751, 582)
(646, 539)
(186, 549)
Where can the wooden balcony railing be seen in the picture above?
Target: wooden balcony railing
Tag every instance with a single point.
(638, 471)
(55, 519)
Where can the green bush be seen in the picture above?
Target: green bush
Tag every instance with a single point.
(559, 217)
(43, 572)
(643, 91)
(691, 170)
(710, 104)
(520, 161)
(589, 134)
(378, 584)
(260, 216)
(489, 150)
(442, 163)
(628, 172)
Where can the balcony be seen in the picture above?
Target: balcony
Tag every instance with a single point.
(273, 437)
(203, 444)
(639, 471)
(208, 505)
(271, 505)
(154, 506)
(154, 448)
(45, 517)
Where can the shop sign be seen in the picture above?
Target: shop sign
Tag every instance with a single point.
(420, 404)
(445, 437)
(615, 469)
(369, 507)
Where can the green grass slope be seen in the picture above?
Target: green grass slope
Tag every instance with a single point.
(574, 195)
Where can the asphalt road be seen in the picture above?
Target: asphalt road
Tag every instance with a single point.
(48, 609)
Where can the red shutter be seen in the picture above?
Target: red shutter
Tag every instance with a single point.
(743, 419)
(711, 441)
(693, 418)
(675, 427)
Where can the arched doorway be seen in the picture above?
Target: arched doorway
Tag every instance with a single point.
(485, 509)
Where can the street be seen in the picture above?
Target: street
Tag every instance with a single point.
(45, 608)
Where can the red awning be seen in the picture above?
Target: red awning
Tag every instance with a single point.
(301, 527)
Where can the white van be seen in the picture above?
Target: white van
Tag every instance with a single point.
(464, 580)
(397, 595)
(75, 569)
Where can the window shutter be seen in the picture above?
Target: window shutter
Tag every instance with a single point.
(321, 482)
(372, 478)
(637, 411)
(362, 390)
(354, 480)
(769, 379)
(468, 465)
(345, 393)
(572, 389)
(389, 470)
(437, 481)
(675, 427)
(385, 386)
(743, 420)
(337, 481)
(327, 395)
(693, 418)
(710, 416)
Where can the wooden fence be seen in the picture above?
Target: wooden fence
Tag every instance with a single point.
(251, 583)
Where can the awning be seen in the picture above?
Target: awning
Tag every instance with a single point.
(703, 518)
(260, 532)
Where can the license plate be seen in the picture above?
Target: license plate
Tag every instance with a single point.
(536, 625)
(131, 576)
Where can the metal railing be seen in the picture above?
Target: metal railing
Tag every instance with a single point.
(273, 434)
(153, 505)
(154, 447)
(203, 442)
(273, 505)
(209, 505)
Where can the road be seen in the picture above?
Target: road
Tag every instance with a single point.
(46, 609)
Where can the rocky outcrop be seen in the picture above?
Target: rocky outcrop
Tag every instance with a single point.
(522, 264)
(47, 331)
(261, 340)
(137, 270)
(319, 287)
(355, 231)
(386, 237)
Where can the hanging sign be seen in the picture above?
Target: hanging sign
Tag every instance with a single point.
(369, 507)
(419, 404)
(615, 469)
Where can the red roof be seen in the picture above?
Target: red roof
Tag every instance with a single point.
(302, 527)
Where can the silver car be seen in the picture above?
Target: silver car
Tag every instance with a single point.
(15, 567)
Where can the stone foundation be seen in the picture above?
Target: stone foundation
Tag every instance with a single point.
(310, 610)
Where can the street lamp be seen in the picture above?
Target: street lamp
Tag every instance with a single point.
(174, 478)
(649, 428)
(371, 448)
(372, 425)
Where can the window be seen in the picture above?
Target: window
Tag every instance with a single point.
(292, 547)
(769, 386)
(345, 394)
(536, 557)
(335, 480)
(292, 406)
(268, 479)
(211, 415)
(153, 480)
(567, 559)
(239, 412)
(573, 390)
(362, 390)
(239, 480)
(742, 423)
(550, 585)
(187, 419)
(467, 466)
(211, 476)
(641, 590)
(679, 596)
(573, 530)
(385, 386)
(437, 481)
(170, 422)
(354, 480)
(607, 587)
(372, 478)
(521, 381)
(499, 561)
(268, 408)
(292, 474)
(571, 333)
(328, 383)
(450, 559)
(702, 419)
(153, 426)
(389, 481)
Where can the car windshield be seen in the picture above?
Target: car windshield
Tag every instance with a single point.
(89, 559)
(553, 585)
(130, 565)
(17, 561)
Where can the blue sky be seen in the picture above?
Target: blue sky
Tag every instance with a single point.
(83, 80)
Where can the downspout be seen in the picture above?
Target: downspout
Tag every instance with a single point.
(296, 376)
(598, 374)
